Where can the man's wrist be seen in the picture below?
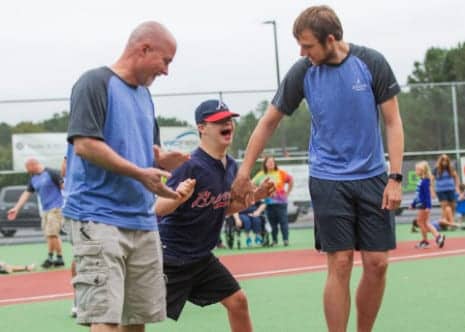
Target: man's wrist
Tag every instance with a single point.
(397, 177)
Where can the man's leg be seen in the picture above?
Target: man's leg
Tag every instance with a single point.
(371, 288)
(337, 292)
(238, 312)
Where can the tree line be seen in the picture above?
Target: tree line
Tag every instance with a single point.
(426, 112)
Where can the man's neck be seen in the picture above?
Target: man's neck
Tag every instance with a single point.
(120, 68)
(341, 52)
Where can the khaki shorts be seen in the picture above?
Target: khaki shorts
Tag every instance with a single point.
(52, 220)
(119, 275)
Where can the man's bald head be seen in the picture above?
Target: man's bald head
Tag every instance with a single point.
(150, 32)
(33, 166)
(149, 51)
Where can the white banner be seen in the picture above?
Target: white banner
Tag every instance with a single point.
(184, 139)
(48, 148)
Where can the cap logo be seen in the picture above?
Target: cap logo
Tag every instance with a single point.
(221, 106)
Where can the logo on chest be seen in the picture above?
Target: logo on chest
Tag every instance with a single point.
(359, 86)
(205, 199)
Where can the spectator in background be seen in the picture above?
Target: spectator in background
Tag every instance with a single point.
(446, 186)
(461, 204)
(276, 205)
(422, 202)
(250, 220)
(48, 184)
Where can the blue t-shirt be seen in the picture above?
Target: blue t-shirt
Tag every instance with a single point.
(105, 107)
(47, 185)
(443, 181)
(192, 231)
(343, 99)
(423, 194)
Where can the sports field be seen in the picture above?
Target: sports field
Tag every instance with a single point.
(425, 289)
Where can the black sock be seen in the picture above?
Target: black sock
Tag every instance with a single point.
(50, 256)
(59, 257)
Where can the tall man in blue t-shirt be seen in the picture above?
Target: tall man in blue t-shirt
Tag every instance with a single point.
(48, 184)
(353, 197)
(110, 186)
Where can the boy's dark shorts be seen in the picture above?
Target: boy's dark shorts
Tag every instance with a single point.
(348, 215)
(203, 282)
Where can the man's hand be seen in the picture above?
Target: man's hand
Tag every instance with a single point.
(12, 213)
(242, 190)
(265, 189)
(185, 189)
(151, 178)
(392, 195)
(169, 160)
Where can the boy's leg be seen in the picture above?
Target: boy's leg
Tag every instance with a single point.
(238, 312)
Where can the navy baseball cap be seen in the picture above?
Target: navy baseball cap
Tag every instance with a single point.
(212, 110)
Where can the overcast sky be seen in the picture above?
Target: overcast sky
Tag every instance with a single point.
(222, 45)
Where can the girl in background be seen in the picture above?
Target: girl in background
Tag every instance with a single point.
(422, 203)
(276, 205)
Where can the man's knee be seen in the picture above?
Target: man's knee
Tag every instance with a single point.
(340, 263)
(375, 265)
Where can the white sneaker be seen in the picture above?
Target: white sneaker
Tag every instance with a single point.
(74, 312)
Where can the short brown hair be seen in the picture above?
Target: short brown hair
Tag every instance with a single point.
(322, 21)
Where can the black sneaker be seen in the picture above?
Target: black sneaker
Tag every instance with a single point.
(58, 262)
(440, 240)
(422, 245)
(47, 264)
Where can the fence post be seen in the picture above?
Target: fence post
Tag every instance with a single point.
(456, 130)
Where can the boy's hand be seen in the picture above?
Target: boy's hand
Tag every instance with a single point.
(265, 189)
(185, 189)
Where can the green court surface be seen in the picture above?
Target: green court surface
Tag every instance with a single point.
(299, 239)
(423, 295)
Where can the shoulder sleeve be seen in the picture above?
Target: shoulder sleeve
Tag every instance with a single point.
(384, 83)
(30, 188)
(291, 90)
(89, 105)
(55, 176)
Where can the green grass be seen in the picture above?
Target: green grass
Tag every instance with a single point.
(423, 295)
(299, 239)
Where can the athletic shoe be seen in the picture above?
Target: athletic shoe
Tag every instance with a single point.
(258, 240)
(422, 245)
(286, 243)
(73, 311)
(58, 262)
(440, 240)
(47, 264)
(30, 267)
(248, 242)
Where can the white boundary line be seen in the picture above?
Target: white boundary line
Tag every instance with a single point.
(257, 274)
(35, 298)
(357, 262)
